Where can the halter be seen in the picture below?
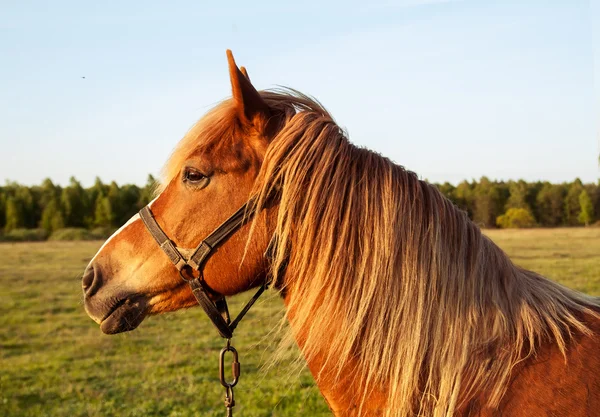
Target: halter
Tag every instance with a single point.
(217, 311)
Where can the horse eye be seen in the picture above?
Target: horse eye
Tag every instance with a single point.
(193, 175)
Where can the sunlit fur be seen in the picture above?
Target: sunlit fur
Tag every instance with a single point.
(214, 129)
(386, 273)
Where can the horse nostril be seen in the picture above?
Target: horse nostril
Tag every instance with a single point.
(91, 281)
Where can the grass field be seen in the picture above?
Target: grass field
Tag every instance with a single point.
(54, 361)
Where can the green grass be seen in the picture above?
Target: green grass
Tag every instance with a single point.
(54, 361)
(570, 256)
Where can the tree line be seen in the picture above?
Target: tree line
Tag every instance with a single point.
(489, 203)
(526, 204)
(51, 207)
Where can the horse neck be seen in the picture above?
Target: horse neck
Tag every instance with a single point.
(504, 329)
(451, 301)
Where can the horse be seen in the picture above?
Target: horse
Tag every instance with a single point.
(399, 304)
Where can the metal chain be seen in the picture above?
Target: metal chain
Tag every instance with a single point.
(229, 401)
(235, 371)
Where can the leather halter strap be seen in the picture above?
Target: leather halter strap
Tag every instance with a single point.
(218, 311)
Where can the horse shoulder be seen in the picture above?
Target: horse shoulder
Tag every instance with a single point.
(547, 384)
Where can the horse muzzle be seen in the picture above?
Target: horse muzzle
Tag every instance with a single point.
(115, 312)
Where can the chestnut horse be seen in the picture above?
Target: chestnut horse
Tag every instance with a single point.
(398, 302)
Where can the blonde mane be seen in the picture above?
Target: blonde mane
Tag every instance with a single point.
(385, 272)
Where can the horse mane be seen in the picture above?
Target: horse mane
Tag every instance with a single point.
(386, 272)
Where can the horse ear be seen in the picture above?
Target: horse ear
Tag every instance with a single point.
(248, 101)
(245, 72)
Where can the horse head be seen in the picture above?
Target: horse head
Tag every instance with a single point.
(210, 175)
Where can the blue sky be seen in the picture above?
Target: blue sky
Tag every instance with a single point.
(450, 89)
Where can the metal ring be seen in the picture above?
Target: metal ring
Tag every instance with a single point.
(229, 397)
(183, 277)
(235, 367)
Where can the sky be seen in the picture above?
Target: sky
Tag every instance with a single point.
(449, 89)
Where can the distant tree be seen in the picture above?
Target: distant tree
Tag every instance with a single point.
(52, 217)
(14, 214)
(464, 198)
(518, 195)
(2, 208)
(129, 196)
(49, 192)
(104, 216)
(572, 207)
(447, 190)
(114, 196)
(594, 191)
(549, 205)
(147, 193)
(19, 210)
(109, 205)
(26, 203)
(586, 214)
(74, 203)
(503, 190)
(43, 195)
(516, 218)
(97, 189)
(488, 203)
